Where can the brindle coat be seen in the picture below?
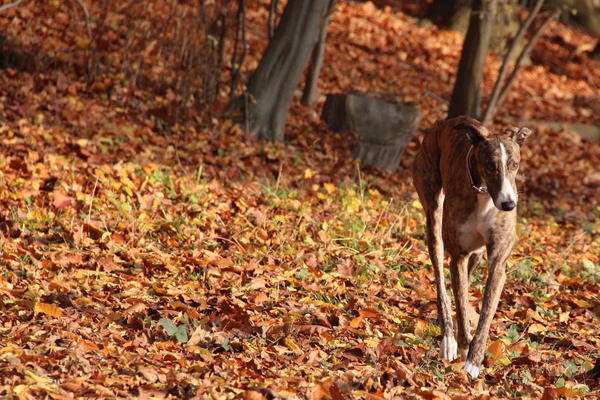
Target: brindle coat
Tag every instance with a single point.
(466, 184)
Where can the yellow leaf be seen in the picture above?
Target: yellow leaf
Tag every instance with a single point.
(290, 344)
(33, 378)
(537, 260)
(563, 317)
(417, 204)
(353, 205)
(49, 309)
(295, 204)
(504, 361)
(582, 303)
(19, 389)
(535, 328)
(329, 187)
(308, 173)
(10, 350)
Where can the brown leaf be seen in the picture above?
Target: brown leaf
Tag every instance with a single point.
(346, 268)
(434, 395)
(149, 373)
(549, 394)
(49, 309)
(253, 395)
(326, 390)
(61, 200)
(107, 263)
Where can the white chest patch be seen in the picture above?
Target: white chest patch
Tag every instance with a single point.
(474, 231)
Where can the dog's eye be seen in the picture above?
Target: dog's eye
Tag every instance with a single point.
(513, 165)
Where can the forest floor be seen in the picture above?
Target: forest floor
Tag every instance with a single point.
(148, 255)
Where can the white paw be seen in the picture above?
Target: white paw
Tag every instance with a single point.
(472, 369)
(448, 348)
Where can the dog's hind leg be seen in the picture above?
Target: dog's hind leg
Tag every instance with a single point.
(474, 259)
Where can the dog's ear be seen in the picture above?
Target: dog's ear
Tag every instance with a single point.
(519, 135)
(474, 134)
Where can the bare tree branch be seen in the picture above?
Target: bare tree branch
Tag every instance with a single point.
(522, 57)
(10, 5)
(491, 107)
(272, 16)
(87, 18)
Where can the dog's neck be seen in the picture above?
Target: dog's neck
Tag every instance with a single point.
(474, 178)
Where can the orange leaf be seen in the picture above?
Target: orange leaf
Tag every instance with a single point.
(496, 349)
(260, 298)
(253, 395)
(549, 394)
(566, 392)
(357, 322)
(420, 328)
(434, 395)
(49, 309)
(369, 313)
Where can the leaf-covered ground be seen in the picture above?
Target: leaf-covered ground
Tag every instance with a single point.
(146, 255)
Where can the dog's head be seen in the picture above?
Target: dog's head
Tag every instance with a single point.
(497, 161)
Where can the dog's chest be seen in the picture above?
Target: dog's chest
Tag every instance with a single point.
(473, 233)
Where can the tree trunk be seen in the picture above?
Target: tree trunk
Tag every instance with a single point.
(271, 87)
(466, 96)
(310, 93)
(452, 14)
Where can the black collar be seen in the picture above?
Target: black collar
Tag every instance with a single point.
(478, 189)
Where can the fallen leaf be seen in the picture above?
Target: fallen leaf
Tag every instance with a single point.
(253, 395)
(49, 309)
(495, 350)
(61, 200)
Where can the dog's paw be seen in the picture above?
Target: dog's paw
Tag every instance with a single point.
(448, 348)
(472, 369)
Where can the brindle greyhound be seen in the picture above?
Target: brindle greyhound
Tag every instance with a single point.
(466, 184)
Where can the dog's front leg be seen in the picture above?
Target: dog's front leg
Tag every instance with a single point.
(493, 290)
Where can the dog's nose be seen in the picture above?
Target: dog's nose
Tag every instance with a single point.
(508, 205)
